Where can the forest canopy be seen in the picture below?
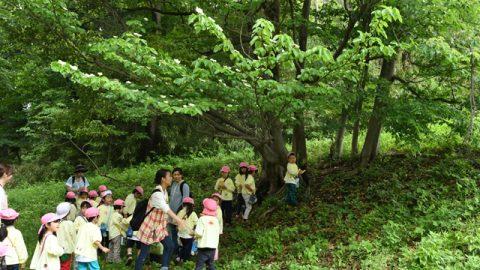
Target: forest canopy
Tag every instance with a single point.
(124, 82)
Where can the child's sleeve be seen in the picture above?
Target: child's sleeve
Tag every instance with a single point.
(21, 249)
(96, 236)
(53, 247)
(199, 229)
(292, 169)
(230, 186)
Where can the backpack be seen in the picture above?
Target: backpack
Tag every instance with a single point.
(190, 194)
(140, 213)
(73, 180)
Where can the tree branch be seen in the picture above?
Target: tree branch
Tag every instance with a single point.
(90, 159)
(415, 93)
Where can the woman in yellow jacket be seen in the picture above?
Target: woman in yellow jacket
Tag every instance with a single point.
(225, 187)
(249, 190)
(239, 183)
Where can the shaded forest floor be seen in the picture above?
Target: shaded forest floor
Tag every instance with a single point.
(402, 212)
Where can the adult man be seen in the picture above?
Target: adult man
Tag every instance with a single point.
(78, 180)
(178, 191)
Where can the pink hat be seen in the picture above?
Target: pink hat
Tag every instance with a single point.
(252, 168)
(243, 164)
(70, 195)
(225, 169)
(8, 214)
(188, 200)
(83, 189)
(3, 250)
(118, 202)
(209, 207)
(139, 189)
(50, 217)
(216, 194)
(93, 194)
(92, 212)
(47, 218)
(102, 188)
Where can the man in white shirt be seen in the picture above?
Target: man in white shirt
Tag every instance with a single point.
(78, 180)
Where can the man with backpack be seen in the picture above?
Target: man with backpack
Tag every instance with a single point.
(178, 191)
(78, 180)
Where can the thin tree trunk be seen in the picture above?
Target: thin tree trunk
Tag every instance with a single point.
(358, 110)
(337, 146)
(473, 105)
(299, 144)
(370, 147)
(356, 126)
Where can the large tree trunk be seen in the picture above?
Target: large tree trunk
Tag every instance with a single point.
(299, 142)
(370, 147)
(274, 159)
(337, 145)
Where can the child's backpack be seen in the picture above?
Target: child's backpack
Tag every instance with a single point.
(140, 213)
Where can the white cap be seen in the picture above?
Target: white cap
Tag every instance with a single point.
(106, 192)
(63, 209)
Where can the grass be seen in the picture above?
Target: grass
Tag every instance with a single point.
(412, 211)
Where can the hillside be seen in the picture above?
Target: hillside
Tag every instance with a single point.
(404, 212)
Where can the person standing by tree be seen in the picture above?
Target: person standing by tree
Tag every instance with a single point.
(179, 191)
(6, 175)
(249, 191)
(226, 188)
(78, 180)
(239, 183)
(292, 179)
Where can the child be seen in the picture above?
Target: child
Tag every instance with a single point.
(16, 255)
(88, 241)
(48, 250)
(66, 235)
(80, 220)
(207, 232)
(3, 253)
(92, 198)
(291, 179)
(106, 211)
(117, 227)
(70, 197)
(101, 189)
(186, 235)
(248, 191)
(226, 188)
(82, 196)
(131, 200)
(218, 199)
(239, 183)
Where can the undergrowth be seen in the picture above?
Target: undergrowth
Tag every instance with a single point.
(403, 212)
